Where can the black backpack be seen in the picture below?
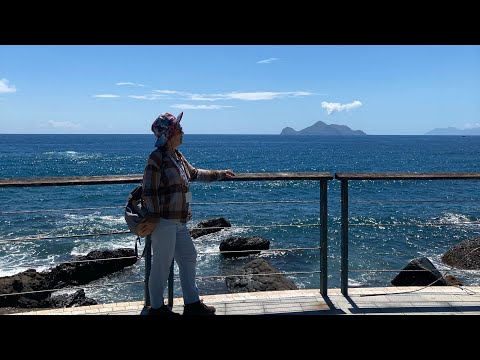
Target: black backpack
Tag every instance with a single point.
(135, 211)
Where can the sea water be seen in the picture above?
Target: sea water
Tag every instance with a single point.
(391, 222)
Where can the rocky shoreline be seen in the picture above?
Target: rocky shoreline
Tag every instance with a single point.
(41, 289)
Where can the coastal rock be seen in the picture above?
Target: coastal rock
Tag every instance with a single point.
(79, 273)
(252, 282)
(465, 255)
(26, 281)
(238, 243)
(209, 226)
(78, 298)
(421, 272)
(61, 276)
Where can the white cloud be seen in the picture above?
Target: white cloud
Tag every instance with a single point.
(245, 96)
(128, 83)
(332, 107)
(266, 95)
(63, 124)
(267, 61)
(5, 88)
(106, 96)
(189, 96)
(471, 126)
(199, 97)
(169, 92)
(148, 97)
(200, 107)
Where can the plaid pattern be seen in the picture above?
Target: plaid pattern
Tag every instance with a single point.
(163, 187)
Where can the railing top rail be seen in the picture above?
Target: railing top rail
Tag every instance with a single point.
(408, 176)
(75, 180)
(135, 178)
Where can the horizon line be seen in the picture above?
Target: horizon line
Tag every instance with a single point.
(291, 135)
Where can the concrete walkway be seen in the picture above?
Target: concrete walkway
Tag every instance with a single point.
(412, 300)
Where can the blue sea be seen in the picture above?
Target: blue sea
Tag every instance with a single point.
(391, 222)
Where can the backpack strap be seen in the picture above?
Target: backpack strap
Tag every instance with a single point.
(138, 240)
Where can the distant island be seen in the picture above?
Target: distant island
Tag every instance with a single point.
(320, 128)
(453, 131)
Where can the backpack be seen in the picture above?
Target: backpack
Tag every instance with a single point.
(135, 211)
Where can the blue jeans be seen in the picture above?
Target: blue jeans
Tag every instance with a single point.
(172, 238)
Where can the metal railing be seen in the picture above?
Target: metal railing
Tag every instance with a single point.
(345, 177)
(322, 177)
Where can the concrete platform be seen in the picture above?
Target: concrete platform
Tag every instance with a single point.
(412, 300)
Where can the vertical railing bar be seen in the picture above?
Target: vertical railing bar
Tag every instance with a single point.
(148, 266)
(344, 240)
(323, 238)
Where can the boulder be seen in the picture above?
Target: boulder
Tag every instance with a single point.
(421, 272)
(38, 286)
(251, 243)
(75, 299)
(465, 255)
(252, 282)
(209, 226)
(79, 273)
(26, 281)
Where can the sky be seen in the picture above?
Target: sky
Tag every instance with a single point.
(238, 89)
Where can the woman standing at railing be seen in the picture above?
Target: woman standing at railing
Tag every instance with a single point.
(167, 197)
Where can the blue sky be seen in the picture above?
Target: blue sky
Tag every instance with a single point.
(238, 89)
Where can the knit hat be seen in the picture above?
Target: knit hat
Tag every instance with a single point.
(164, 127)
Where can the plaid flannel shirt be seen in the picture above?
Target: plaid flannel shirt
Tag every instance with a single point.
(163, 186)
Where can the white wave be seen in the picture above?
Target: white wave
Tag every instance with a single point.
(83, 247)
(9, 270)
(105, 219)
(466, 277)
(452, 218)
(355, 283)
(220, 235)
(74, 154)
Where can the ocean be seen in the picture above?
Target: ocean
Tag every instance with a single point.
(391, 222)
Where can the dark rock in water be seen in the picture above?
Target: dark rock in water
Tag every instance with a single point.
(209, 226)
(79, 273)
(254, 243)
(78, 298)
(419, 272)
(465, 255)
(31, 281)
(253, 282)
(26, 281)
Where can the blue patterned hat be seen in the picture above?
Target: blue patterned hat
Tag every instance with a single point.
(164, 127)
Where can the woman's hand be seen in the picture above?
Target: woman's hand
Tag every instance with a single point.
(226, 174)
(147, 227)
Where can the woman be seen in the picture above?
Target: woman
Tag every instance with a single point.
(167, 198)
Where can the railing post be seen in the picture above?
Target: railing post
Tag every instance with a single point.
(344, 241)
(148, 266)
(323, 237)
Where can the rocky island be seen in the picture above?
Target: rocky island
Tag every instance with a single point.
(453, 131)
(320, 128)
